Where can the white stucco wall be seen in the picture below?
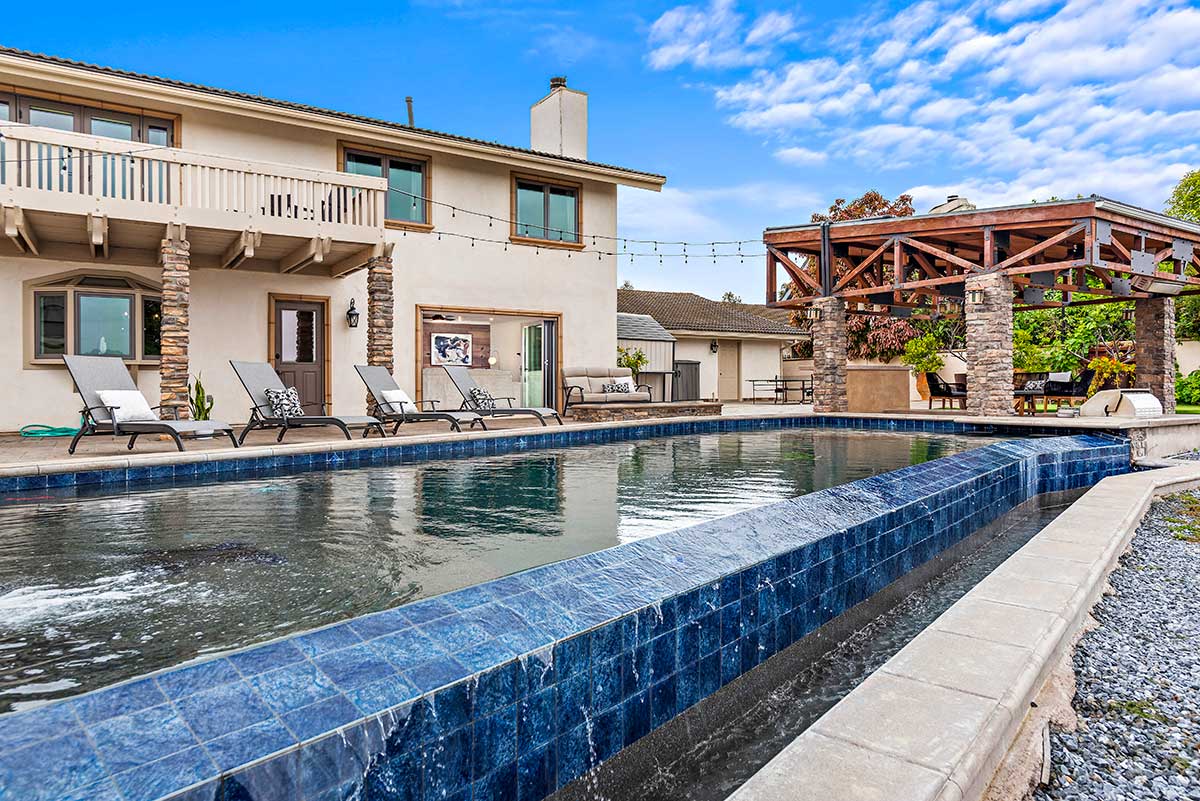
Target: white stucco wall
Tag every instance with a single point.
(690, 349)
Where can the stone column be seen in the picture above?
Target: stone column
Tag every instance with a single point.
(1155, 354)
(176, 299)
(990, 345)
(380, 312)
(829, 356)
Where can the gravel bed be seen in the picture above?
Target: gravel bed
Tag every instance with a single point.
(1138, 673)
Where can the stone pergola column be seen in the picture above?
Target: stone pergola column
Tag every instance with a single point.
(829, 356)
(1155, 348)
(176, 300)
(989, 345)
(380, 314)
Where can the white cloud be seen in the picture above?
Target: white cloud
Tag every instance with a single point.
(800, 156)
(942, 110)
(710, 37)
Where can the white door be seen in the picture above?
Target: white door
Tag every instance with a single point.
(729, 359)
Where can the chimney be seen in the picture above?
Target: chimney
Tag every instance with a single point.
(558, 122)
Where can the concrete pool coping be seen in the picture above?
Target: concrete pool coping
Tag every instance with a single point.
(1157, 437)
(939, 718)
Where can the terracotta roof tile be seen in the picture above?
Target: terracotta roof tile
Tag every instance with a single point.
(687, 311)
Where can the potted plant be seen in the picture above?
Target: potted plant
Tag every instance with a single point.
(200, 403)
(633, 358)
(922, 356)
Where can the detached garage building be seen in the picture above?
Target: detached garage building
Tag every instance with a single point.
(719, 346)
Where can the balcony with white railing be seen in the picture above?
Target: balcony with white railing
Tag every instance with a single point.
(118, 191)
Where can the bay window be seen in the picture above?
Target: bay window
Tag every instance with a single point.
(93, 315)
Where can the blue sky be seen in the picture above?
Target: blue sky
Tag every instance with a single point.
(758, 112)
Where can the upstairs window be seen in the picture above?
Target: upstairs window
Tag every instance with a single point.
(408, 182)
(80, 118)
(94, 315)
(544, 211)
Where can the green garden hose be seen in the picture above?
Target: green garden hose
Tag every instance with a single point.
(39, 430)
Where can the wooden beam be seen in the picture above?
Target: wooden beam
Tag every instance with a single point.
(863, 265)
(941, 254)
(311, 252)
(798, 275)
(18, 228)
(97, 226)
(926, 267)
(1040, 246)
(355, 261)
(241, 248)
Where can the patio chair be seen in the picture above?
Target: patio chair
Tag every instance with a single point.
(258, 377)
(99, 380)
(945, 391)
(399, 408)
(479, 400)
(1061, 389)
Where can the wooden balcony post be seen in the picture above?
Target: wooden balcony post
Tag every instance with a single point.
(176, 299)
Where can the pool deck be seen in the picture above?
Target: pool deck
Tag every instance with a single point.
(31, 456)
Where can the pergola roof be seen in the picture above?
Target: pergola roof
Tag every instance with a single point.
(1093, 245)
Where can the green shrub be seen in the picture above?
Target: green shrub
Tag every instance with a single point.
(1187, 388)
(921, 354)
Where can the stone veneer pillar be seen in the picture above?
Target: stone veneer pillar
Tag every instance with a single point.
(1155, 343)
(829, 356)
(176, 300)
(989, 345)
(380, 314)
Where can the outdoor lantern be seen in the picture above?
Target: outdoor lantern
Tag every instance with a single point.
(713, 346)
(352, 315)
(1127, 314)
(975, 296)
(812, 313)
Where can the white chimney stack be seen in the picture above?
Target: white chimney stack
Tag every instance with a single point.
(558, 122)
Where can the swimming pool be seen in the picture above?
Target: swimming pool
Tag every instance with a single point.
(98, 589)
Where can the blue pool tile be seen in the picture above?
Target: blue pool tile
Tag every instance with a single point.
(453, 632)
(238, 748)
(636, 714)
(325, 640)
(119, 700)
(535, 723)
(574, 755)
(497, 687)
(427, 610)
(275, 779)
(436, 673)
(574, 700)
(60, 765)
(354, 666)
(23, 728)
(381, 623)
(292, 687)
(407, 648)
(263, 658)
(496, 618)
(571, 657)
(381, 695)
(395, 777)
(607, 683)
(663, 701)
(535, 772)
(451, 708)
(153, 781)
(194, 678)
(100, 791)
(536, 672)
(495, 741)
(322, 717)
(223, 709)
(128, 741)
(448, 764)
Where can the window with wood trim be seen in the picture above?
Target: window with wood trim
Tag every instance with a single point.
(96, 315)
(407, 178)
(82, 118)
(546, 211)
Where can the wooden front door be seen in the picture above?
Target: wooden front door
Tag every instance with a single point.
(729, 352)
(300, 349)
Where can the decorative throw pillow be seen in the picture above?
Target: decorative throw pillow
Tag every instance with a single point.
(1036, 385)
(285, 403)
(481, 399)
(397, 401)
(617, 387)
(129, 405)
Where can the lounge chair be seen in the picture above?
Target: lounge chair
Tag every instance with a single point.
(93, 375)
(402, 409)
(477, 399)
(1061, 389)
(945, 391)
(258, 377)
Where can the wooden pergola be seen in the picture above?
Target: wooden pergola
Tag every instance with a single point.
(1033, 256)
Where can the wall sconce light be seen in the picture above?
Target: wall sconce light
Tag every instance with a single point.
(975, 296)
(713, 346)
(352, 315)
(492, 359)
(812, 314)
(1127, 314)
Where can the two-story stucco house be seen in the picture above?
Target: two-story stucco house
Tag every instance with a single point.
(180, 226)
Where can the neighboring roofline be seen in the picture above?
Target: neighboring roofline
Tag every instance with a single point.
(688, 332)
(1115, 206)
(226, 99)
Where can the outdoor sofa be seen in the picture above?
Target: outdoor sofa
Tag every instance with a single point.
(261, 380)
(391, 404)
(479, 400)
(596, 385)
(112, 404)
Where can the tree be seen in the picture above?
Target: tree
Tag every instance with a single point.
(869, 204)
(731, 297)
(1185, 198)
(627, 284)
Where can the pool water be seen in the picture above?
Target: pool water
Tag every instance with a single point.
(98, 589)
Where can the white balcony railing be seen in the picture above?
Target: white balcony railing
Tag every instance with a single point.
(54, 170)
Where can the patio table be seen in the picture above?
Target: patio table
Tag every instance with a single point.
(779, 388)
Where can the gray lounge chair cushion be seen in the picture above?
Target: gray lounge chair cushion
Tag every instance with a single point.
(616, 397)
(178, 426)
